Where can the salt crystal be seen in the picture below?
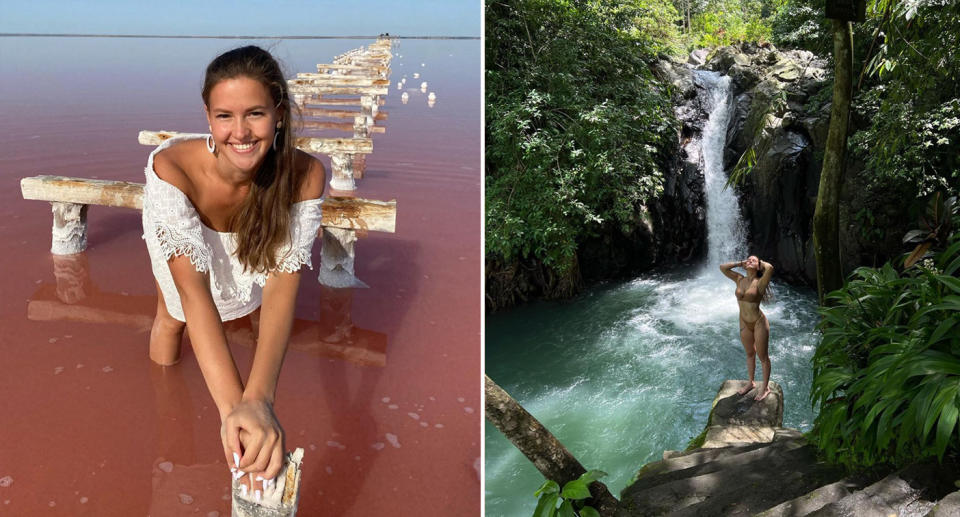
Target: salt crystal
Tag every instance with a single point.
(186, 499)
(6, 481)
(166, 466)
(57, 370)
(329, 470)
(438, 426)
(313, 447)
(378, 446)
(468, 409)
(393, 406)
(385, 399)
(338, 445)
(107, 369)
(414, 416)
(461, 399)
(424, 424)
(83, 500)
(392, 438)
(52, 504)
(52, 340)
(213, 514)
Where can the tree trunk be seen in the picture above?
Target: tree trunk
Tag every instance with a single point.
(826, 224)
(539, 445)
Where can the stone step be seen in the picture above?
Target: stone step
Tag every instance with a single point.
(702, 455)
(737, 435)
(750, 491)
(889, 496)
(813, 501)
(949, 506)
(685, 460)
(742, 484)
(706, 461)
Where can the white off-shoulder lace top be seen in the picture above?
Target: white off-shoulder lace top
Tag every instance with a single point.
(171, 227)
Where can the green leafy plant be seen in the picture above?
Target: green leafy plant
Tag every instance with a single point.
(570, 497)
(578, 130)
(887, 373)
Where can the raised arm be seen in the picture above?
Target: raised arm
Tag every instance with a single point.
(767, 275)
(727, 270)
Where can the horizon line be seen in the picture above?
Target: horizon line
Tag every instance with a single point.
(70, 35)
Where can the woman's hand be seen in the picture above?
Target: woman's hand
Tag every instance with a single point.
(252, 433)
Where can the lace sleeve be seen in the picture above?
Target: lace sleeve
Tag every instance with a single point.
(304, 225)
(169, 217)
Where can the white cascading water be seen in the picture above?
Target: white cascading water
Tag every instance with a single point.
(630, 369)
(725, 239)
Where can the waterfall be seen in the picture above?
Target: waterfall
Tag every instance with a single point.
(725, 238)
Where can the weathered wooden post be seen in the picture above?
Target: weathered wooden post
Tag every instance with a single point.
(278, 500)
(69, 228)
(337, 259)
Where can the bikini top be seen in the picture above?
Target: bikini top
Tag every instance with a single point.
(752, 294)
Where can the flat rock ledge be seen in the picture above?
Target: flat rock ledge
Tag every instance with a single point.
(739, 419)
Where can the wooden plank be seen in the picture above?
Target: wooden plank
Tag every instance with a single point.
(83, 191)
(308, 144)
(323, 67)
(331, 146)
(345, 213)
(334, 79)
(320, 100)
(360, 214)
(341, 126)
(295, 89)
(333, 113)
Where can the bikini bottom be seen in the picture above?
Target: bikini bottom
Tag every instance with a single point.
(752, 326)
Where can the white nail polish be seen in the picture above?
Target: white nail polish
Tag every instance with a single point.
(243, 490)
(257, 494)
(238, 474)
(233, 470)
(265, 485)
(236, 460)
(259, 478)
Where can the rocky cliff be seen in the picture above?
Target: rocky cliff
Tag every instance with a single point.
(777, 132)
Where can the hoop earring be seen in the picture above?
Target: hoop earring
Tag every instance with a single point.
(275, 135)
(211, 146)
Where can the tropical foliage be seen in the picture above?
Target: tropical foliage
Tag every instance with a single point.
(570, 498)
(887, 374)
(577, 128)
(907, 89)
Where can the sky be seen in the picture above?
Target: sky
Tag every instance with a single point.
(244, 17)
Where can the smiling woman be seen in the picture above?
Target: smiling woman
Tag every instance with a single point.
(229, 222)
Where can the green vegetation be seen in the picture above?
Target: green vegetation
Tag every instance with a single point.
(907, 90)
(577, 128)
(887, 374)
(570, 498)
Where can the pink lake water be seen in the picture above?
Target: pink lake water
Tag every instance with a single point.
(380, 386)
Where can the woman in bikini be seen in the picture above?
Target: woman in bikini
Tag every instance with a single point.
(754, 327)
(229, 219)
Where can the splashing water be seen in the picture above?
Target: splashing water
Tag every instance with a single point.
(628, 370)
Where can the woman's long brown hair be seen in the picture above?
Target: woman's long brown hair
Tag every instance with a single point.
(262, 221)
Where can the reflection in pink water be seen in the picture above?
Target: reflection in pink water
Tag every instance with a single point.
(380, 385)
